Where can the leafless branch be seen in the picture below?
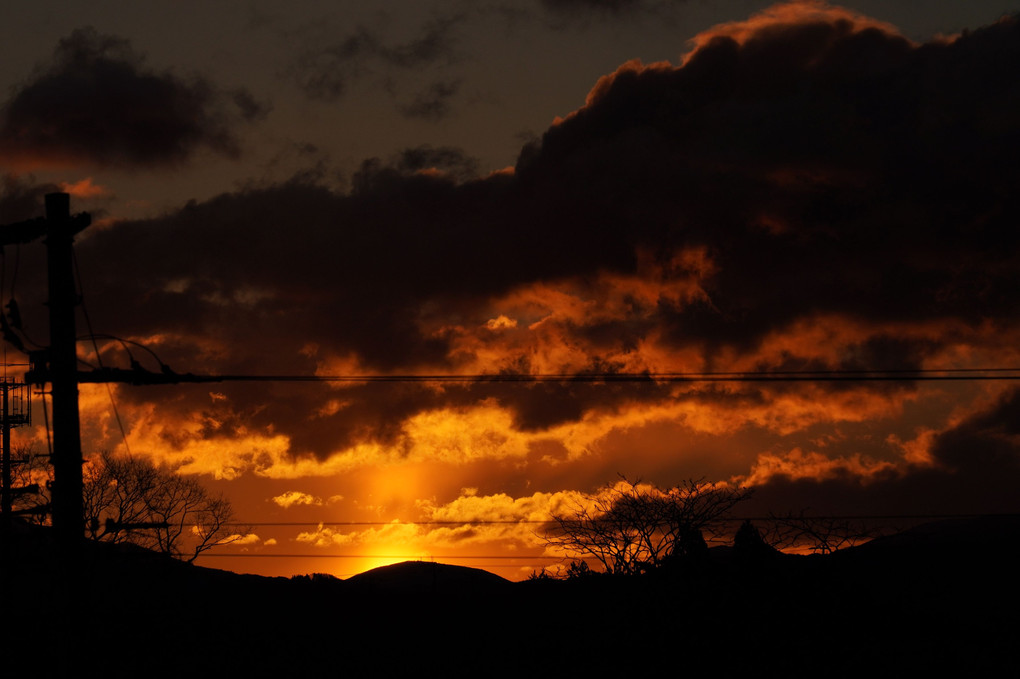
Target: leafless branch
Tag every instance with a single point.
(133, 500)
(819, 534)
(629, 528)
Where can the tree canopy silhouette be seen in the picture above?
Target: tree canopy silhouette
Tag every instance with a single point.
(630, 528)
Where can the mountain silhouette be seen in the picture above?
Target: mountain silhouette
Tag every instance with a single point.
(426, 576)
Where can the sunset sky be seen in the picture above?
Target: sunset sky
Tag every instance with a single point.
(533, 187)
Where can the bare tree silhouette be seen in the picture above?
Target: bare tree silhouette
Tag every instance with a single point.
(31, 475)
(630, 528)
(819, 534)
(129, 499)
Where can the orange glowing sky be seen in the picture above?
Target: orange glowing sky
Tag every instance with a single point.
(744, 187)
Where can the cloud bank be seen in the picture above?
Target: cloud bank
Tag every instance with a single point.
(807, 190)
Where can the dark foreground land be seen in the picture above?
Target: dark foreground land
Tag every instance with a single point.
(942, 597)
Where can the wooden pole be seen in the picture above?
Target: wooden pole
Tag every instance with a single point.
(68, 522)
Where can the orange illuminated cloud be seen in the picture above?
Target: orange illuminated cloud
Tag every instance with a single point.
(786, 14)
(470, 524)
(197, 442)
(539, 322)
(917, 451)
(797, 464)
(766, 23)
(85, 189)
(603, 84)
(500, 322)
(296, 497)
(500, 507)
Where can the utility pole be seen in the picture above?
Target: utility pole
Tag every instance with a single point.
(62, 355)
(58, 363)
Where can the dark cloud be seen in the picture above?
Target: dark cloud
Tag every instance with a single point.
(313, 264)
(822, 168)
(22, 199)
(986, 444)
(571, 6)
(563, 14)
(975, 470)
(436, 43)
(432, 103)
(325, 73)
(448, 159)
(826, 167)
(98, 103)
(250, 108)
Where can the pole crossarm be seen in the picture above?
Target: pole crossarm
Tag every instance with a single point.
(33, 229)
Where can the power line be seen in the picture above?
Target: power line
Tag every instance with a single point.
(297, 524)
(139, 376)
(414, 557)
(545, 557)
(99, 355)
(731, 519)
(750, 376)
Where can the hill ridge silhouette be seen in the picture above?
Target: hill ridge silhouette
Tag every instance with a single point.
(926, 599)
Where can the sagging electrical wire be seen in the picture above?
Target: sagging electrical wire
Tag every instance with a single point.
(99, 356)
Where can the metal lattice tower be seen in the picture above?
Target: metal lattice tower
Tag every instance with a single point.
(16, 412)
